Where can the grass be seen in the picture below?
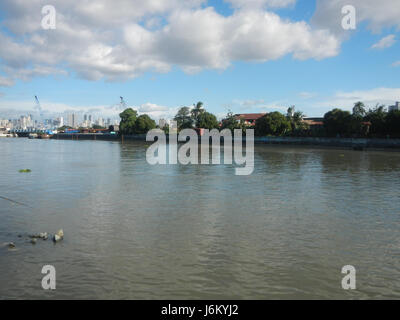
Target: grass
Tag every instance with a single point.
(25, 170)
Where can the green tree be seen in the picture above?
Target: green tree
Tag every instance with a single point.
(143, 124)
(298, 126)
(338, 122)
(64, 127)
(128, 120)
(196, 112)
(359, 110)
(274, 123)
(207, 120)
(377, 117)
(231, 122)
(96, 126)
(393, 123)
(183, 118)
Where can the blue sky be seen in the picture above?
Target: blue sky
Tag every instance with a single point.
(306, 59)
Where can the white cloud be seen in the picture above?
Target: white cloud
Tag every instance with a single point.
(346, 100)
(307, 95)
(16, 108)
(6, 82)
(102, 39)
(396, 64)
(385, 42)
(261, 3)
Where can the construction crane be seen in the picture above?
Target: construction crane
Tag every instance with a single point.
(122, 103)
(38, 106)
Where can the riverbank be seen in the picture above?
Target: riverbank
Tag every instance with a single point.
(345, 143)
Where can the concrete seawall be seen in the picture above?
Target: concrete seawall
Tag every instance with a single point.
(347, 143)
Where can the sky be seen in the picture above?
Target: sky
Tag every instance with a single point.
(240, 55)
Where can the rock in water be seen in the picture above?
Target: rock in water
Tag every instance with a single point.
(58, 236)
(33, 241)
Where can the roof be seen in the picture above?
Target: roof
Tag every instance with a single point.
(313, 122)
(250, 116)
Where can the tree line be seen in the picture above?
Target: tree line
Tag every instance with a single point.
(376, 122)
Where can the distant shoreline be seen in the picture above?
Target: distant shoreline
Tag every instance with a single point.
(341, 143)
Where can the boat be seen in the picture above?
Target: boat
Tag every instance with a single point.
(33, 136)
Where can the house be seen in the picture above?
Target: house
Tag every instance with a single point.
(249, 118)
(314, 123)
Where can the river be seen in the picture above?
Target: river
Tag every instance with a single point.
(136, 231)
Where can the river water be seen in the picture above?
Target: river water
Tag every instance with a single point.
(136, 231)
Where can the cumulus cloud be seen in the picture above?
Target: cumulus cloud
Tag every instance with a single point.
(261, 3)
(6, 82)
(346, 100)
(385, 42)
(122, 39)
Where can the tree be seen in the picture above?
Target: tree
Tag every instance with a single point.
(207, 120)
(337, 122)
(183, 118)
(393, 123)
(359, 110)
(196, 112)
(296, 120)
(96, 126)
(377, 117)
(143, 124)
(64, 128)
(128, 120)
(274, 123)
(232, 123)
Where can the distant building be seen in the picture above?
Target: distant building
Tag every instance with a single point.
(162, 123)
(314, 123)
(249, 118)
(72, 120)
(396, 107)
(113, 128)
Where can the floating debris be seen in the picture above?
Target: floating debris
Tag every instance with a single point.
(11, 245)
(25, 170)
(43, 235)
(16, 202)
(58, 236)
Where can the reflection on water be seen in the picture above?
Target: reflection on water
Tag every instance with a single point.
(135, 231)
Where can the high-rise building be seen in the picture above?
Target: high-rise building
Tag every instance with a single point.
(396, 107)
(72, 121)
(162, 123)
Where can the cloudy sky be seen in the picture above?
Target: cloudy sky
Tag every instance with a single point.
(243, 55)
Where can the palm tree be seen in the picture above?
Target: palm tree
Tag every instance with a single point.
(359, 110)
(196, 112)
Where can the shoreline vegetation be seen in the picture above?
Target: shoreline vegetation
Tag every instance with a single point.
(372, 124)
(359, 130)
